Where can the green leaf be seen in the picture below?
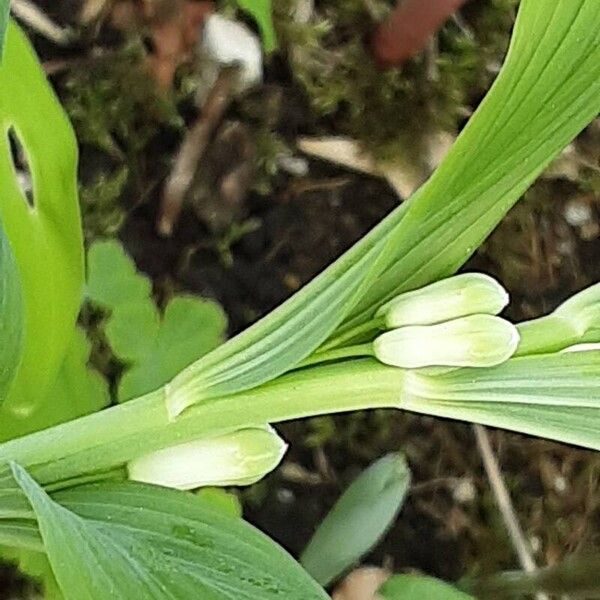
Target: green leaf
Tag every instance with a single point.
(4, 12)
(556, 396)
(358, 520)
(11, 317)
(154, 348)
(547, 91)
(112, 278)
(44, 233)
(190, 327)
(262, 12)
(125, 541)
(77, 390)
(419, 587)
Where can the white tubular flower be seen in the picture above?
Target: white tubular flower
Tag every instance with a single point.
(240, 458)
(451, 298)
(473, 341)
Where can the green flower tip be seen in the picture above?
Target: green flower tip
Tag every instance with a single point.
(472, 341)
(451, 298)
(240, 458)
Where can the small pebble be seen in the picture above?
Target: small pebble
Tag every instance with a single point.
(464, 491)
(294, 165)
(577, 213)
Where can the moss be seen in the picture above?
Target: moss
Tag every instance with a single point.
(390, 110)
(101, 210)
(115, 105)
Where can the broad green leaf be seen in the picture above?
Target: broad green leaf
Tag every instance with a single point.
(547, 91)
(262, 12)
(419, 587)
(127, 541)
(155, 348)
(11, 317)
(45, 235)
(358, 519)
(77, 390)
(4, 11)
(556, 396)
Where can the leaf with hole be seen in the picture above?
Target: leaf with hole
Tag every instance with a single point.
(112, 541)
(37, 148)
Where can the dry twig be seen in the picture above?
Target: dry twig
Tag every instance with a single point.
(193, 147)
(509, 516)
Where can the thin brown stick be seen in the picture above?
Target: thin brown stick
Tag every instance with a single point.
(193, 147)
(505, 505)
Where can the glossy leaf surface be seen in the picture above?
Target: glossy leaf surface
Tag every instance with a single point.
(125, 541)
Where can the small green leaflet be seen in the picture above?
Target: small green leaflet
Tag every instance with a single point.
(45, 235)
(358, 520)
(547, 91)
(4, 11)
(112, 279)
(154, 347)
(123, 541)
(419, 587)
(262, 12)
(11, 317)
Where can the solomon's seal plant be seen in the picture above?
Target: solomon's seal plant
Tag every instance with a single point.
(384, 326)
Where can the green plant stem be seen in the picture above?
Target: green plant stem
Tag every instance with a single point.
(109, 439)
(373, 325)
(547, 334)
(337, 354)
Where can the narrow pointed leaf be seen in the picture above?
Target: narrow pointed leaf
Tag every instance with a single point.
(358, 520)
(547, 91)
(556, 396)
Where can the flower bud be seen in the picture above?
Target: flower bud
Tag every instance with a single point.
(239, 458)
(473, 341)
(451, 298)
